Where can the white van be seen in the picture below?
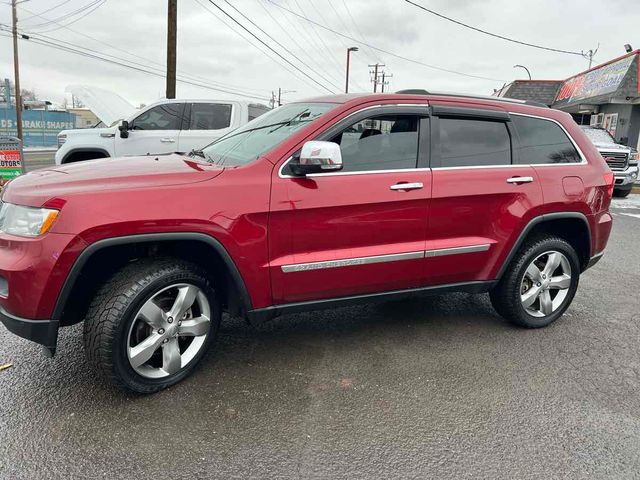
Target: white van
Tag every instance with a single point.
(163, 127)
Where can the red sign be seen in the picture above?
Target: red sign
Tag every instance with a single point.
(10, 165)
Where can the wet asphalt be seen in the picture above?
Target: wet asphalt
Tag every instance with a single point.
(439, 387)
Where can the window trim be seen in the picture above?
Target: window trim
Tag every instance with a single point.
(421, 110)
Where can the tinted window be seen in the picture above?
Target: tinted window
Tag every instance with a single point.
(543, 141)
(256, 109)
(210, 116)
(162, 117)
(380, 143)
(466, 142)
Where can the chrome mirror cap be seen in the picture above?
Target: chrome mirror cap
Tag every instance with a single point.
(317, 156)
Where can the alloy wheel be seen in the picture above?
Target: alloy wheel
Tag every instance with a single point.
(545, 284)
(168, 331)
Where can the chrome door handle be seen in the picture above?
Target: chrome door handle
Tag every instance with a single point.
(520, 180)
(167, 140)
(407, 186)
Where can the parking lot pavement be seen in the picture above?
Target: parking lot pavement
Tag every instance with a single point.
(438, 387)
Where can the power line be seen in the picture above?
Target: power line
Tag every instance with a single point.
(362, 37)
(255, 44)
(131, 65)
(282, 46)
(242, 90)
(387, 52)
(569, 52)
(45, 11)
(68, 14)
(88, 12)
(269, 47)
(298, 42)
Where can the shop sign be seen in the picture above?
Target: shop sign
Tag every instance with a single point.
(600, 81)
(10, 165)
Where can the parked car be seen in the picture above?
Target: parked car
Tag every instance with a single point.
(162, 127)
(622, 160)
(439, 193)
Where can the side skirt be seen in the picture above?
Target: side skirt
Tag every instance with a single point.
(261, 315)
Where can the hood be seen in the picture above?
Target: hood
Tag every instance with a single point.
(126, 173)
(608, 146)
(106, 105)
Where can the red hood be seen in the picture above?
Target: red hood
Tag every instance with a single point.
(124, 173)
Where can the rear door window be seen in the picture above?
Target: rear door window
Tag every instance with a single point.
(210, 116)
(543, 141)
(471, 142)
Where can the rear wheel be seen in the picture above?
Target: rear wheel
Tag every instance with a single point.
(539, 284)
(151, 323)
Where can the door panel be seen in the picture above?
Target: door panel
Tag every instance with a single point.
(366, 236)
(154, 131)
(476, 207)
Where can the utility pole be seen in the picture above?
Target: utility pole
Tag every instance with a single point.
(384, 82)
(375, 75)
(280, 92)
(16, 69)
(349, 50)
(172, 34)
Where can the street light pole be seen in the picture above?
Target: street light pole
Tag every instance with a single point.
(16, 69)
(349, 50)
(522, 66)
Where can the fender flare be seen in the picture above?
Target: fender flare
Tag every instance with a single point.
(546, 217)
(88, 252)
(83, 150)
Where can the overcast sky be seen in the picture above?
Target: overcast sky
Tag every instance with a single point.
(210, 51)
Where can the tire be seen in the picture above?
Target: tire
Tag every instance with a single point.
(134, 306)
(518, 284)
(621, 193)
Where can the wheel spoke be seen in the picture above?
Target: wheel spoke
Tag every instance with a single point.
(194, 327)
(171, 359)
(184, 301)
(560, 282)
(553, 260)
(152, 314)
(530, 296)
(534, 273)
(142, 352)
(546, 305)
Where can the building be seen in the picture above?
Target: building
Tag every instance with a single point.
(606, 95)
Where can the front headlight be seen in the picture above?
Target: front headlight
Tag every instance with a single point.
(26, 221)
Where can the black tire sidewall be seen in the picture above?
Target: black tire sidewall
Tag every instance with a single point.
(121, 366)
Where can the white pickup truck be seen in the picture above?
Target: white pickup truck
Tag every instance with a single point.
(162, 127)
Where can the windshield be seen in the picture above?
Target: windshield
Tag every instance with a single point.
(598, 135)
(247, 143)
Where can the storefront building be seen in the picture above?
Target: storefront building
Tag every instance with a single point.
(607, 95)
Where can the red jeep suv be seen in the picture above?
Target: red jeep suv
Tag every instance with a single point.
(317, 204)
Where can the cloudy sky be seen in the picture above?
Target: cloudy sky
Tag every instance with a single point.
(212, 51)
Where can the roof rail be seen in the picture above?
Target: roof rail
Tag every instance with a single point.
(418, 91)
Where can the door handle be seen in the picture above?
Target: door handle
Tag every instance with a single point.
(407, 186)
(518, 180)
(167, 140)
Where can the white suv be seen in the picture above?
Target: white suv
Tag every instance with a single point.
(162, 127)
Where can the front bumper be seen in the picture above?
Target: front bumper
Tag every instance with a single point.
(44, 332)
(626, 177)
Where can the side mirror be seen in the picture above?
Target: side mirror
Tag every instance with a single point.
(124, 129)
(318, 157)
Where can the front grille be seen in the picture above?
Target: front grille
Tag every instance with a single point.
(617, 161)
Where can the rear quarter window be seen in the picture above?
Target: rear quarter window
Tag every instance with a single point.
(543, 142)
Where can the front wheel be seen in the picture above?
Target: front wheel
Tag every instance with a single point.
(621, 193)
(539, 284)
(150, 325)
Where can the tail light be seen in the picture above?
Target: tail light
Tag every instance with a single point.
(609, 180)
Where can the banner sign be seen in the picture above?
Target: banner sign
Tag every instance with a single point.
(40, 127)
(10, 165)
(600, 81)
